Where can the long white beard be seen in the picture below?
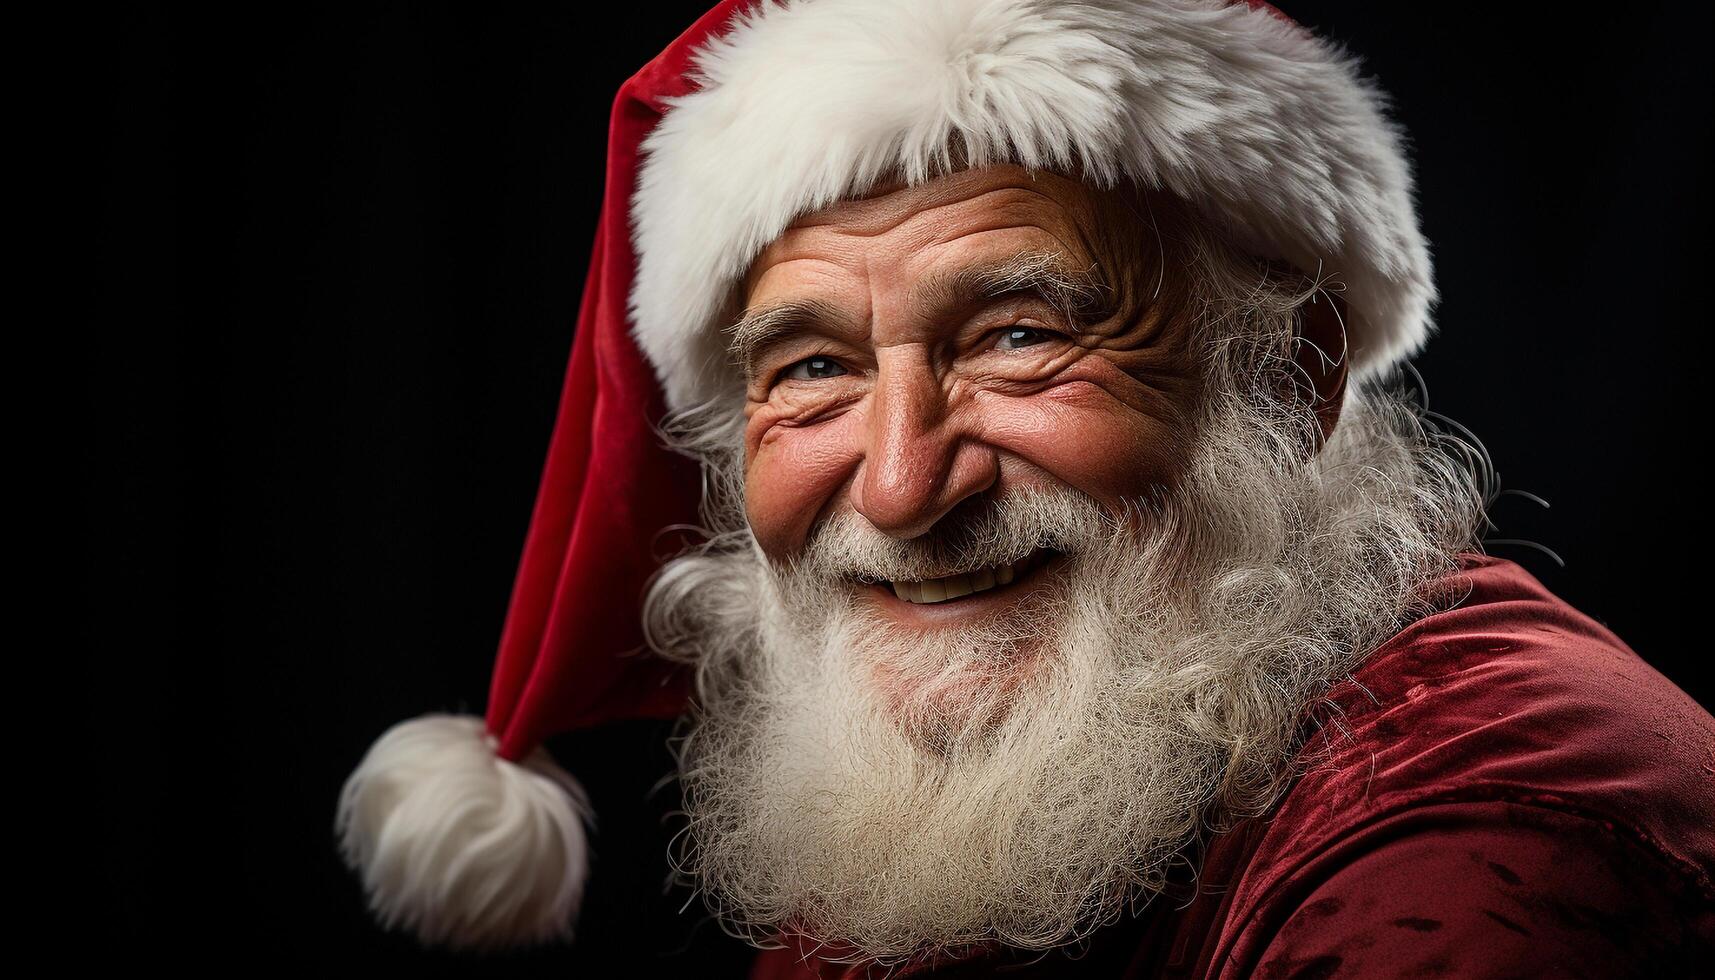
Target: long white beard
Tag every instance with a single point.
(1053, 765)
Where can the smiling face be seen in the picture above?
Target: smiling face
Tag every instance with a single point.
(1037, 540)
(914, 349)
(915, 355)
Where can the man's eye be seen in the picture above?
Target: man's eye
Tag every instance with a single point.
(813, 369)
(1013, 338)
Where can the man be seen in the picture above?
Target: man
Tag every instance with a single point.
(1078, 597)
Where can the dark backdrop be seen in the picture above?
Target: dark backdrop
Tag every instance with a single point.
(343, 254)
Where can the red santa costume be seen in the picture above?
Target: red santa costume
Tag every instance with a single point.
(1516, 794)
(1514, 789)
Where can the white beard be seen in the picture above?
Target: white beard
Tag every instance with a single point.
(1162, 679)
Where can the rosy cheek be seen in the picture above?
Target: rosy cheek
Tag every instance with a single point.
(793, 475)
(1083, 436)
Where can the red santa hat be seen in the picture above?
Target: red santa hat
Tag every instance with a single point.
(464, 830)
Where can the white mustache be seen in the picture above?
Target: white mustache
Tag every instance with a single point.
(1002, 531)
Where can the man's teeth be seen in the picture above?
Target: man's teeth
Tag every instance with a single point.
(957, 586)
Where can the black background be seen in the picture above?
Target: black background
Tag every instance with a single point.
(348, 245)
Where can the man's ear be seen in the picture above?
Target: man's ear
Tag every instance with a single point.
(1319, 350)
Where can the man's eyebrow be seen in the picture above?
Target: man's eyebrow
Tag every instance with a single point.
(1080, 294)
(758, 329)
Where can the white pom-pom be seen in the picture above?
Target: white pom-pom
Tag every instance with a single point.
(460, 846)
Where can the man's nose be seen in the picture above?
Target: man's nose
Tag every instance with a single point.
(917, 465)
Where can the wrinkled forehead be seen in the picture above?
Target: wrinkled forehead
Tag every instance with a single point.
(1009, 207)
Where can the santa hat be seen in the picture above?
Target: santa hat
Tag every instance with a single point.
(464, 830)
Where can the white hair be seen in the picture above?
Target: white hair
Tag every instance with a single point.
(1162, 677)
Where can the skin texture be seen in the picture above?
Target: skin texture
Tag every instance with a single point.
(895, 395)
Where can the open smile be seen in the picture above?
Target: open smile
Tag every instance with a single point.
(972, 592)
(952, 587)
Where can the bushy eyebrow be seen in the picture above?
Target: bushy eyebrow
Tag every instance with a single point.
(1080, 295)
(759, 329)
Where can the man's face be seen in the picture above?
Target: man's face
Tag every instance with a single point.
(1034, 570)
(953, 343)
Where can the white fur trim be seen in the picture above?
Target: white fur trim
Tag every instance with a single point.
(1269, 130)
(459, 846)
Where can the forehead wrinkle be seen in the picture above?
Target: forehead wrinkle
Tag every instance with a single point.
(758, 329)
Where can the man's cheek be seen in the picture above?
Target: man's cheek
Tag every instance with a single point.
(1084, 437)
(795, 476)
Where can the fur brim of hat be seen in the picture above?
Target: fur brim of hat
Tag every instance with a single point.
(1269, 131)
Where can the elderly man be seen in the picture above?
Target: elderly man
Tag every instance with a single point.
(1074, 580)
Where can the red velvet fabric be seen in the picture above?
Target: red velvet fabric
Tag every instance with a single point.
(1514, 793)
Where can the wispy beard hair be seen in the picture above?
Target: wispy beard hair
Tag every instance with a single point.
(1052, 765)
